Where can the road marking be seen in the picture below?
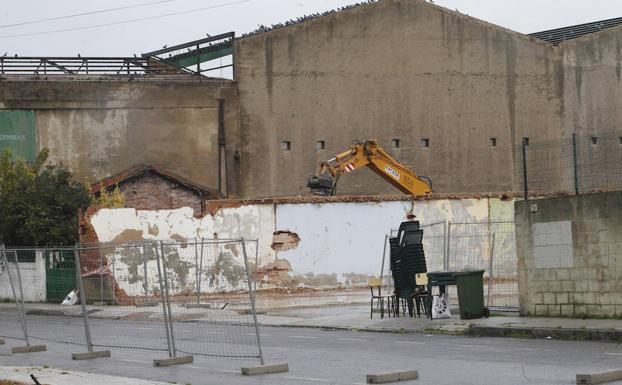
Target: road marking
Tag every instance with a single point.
(410, 342)
(305, 337)
(353, 339)
(473, 346)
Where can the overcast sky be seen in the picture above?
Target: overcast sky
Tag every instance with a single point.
(217, 16)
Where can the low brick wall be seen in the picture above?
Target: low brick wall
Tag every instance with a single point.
(570, 255)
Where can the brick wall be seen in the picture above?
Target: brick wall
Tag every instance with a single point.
(570, 255)
(153, 192)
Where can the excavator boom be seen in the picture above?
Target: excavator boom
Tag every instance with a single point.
(367, 154)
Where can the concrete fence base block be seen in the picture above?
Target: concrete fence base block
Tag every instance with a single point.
(1, 341)
(28, 349)
(265, 369)
(599, 378)
(392, 377)
(173, 361)
(90, 355)
(198, 306)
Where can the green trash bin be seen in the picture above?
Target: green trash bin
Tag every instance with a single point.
(470, 285)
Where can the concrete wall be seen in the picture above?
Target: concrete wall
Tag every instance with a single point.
(592, 75)
(33, 280)
(403, 69)
(101, 127)
(570, 255)
(324, 244)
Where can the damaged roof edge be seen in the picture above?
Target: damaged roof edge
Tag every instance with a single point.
(139, 170)
(354, 199)
(370, 4)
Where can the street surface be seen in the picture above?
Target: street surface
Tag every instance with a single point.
(320, 356)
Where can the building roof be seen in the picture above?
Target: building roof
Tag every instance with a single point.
(144, 169)
(556, 36)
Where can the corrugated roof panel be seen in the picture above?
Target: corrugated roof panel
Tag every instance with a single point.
(556, 36)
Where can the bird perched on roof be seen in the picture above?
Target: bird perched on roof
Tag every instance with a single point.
(5, 54)
(208, 35)
(79, 55)
(165, 45)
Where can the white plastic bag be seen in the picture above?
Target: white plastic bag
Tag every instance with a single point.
(440, 306)
(71, 299)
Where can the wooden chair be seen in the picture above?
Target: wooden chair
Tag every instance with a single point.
(375, 286)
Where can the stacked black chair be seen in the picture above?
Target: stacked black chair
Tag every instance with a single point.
(407, 260)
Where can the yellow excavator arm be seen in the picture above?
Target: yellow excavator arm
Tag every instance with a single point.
(367, 154)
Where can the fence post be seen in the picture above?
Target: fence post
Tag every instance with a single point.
(200, 274)
(446, 256)
(444, 241)
(163, 298)
(490, 271)
(252, 298)
(20, 309)
(384, 253)
(575, 164)
(525, 186)
(85, 315)
(146, 281)
(168, 302)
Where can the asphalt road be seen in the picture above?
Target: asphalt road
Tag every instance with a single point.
(331, 357)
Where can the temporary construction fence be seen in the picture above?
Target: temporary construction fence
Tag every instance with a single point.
(488, 246)
(193, 297)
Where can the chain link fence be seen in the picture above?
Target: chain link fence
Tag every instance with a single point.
(574, 165)
(192, 297)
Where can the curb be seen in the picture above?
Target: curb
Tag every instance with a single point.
(603, 335)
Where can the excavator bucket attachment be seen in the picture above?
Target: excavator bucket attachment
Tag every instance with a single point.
(321, 185)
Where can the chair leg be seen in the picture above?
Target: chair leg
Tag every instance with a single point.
(371, 313)
(381, 308)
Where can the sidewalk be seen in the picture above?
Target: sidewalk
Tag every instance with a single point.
(350, 310)
(51, 376)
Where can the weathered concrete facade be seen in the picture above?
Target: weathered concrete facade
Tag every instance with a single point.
(570, 255)
(592, 75)
(395, 69)
(100, 127)
(458, 93)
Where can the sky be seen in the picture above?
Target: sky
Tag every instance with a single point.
(193, 19)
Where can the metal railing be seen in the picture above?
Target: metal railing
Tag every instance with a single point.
(87, 66)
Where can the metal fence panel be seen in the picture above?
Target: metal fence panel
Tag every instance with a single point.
(12, 321)
(578, 164)
(123, 292)
(488, 246)
(223, 323)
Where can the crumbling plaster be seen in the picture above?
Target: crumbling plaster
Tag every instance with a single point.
(336, 240)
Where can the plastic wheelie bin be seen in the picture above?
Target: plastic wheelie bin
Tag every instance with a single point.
(470, 284)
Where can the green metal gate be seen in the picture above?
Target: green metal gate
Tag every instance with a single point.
(60, 272)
